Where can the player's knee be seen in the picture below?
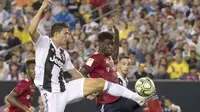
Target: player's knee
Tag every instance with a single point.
(93, 85)
(100, 83)
(100, 80)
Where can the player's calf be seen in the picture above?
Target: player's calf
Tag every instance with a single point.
(101, 85)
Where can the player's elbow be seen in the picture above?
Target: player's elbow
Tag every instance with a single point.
(10, 98)
(31, 29)
(75, 74)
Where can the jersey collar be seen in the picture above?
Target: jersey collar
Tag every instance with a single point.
(57, 48)
(119, 76)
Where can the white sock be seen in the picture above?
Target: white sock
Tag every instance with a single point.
(118, 90)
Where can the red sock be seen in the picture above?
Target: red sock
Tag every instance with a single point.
(154, 106)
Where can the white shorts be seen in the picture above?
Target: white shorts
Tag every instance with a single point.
(57, 101)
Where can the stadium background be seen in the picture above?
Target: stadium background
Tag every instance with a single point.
(162, 38)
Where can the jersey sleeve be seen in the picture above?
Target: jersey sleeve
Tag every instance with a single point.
(91, 63)
(68, 64)
(42, 41)
(21, 87)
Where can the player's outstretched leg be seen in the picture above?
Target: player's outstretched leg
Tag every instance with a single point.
(80, 88)
(92, 85)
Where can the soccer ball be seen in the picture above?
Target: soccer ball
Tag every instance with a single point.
(145, 87)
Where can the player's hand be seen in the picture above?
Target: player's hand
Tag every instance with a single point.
(46, 4)
(29, 110)
(92, 96)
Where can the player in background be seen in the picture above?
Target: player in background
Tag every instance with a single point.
(101, 65)
(123, 68)
(127, 105)
(52, 61)
(21, 96)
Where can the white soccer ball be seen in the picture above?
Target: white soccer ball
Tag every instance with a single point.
(145, 87)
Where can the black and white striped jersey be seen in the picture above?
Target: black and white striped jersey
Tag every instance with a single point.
(122, 81)
(50, 64)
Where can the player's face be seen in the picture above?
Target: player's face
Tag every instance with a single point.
(31, 71)
(124, 66)
(107, 47)
(63, 36)
(167, 103)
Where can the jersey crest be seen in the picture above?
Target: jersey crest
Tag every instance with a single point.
(89, 62)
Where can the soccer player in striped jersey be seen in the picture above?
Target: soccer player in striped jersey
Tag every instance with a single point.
(52, 61)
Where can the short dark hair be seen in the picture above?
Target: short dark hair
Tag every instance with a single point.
(123, 57)
(164, 98)
(105, 35)
(57, 27)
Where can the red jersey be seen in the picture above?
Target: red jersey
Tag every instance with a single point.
(101, 66)
(25, 89)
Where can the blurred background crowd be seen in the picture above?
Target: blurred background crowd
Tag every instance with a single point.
(161, 37)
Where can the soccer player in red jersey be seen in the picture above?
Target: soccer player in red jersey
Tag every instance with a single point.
(101, 65)
(21, 96)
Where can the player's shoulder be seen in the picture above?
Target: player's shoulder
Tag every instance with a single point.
(97, 55)
(43, 40)
(24, 83)
(44, 37)
(24, 80)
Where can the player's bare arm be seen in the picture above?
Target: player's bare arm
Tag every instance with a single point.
(32, 29)
(116, 42)
(75, 74)
(84, 71)
(12, 98)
